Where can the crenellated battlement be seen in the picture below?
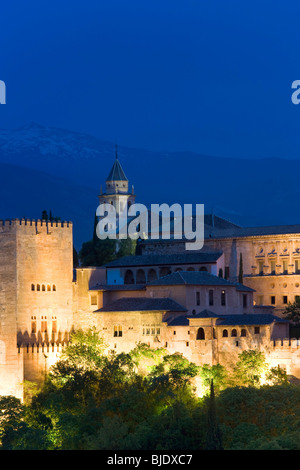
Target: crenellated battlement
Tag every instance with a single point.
(292, 343)
(34, 225)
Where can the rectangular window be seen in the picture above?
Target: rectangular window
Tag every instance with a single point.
(261, 268)
(256, 330)
(226, 272)
(54, 326)
(117, 331)
(284, 267)
(273, 267)
(223, 298)
(198, 298)
(211, 297)
(272, 299)
(93, 300)
(285, 299)
(33, 326)
(245, 300)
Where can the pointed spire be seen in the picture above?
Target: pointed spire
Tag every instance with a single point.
(117, 172)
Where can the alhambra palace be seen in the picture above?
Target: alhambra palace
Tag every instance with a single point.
(189, 302)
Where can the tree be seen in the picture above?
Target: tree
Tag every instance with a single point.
(216, 373)
(213, 438)
(292, 311)
(249, 368)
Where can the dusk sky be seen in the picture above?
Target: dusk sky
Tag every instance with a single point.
(208, 76)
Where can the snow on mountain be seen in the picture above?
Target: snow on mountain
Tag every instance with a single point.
(67, 168)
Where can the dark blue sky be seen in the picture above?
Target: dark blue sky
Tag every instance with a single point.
(203, 75)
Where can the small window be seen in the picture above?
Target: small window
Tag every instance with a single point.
(272, 299)
(236, 343)
(118, 331)
(48, 288)
(43, 288)
(256, 330)
(245, 300)
(174, 332)
(93, 300)
(33, 326)
(285, 299)
(54, 288)
(38, 287)
(32, 287)
(187, 344)
(243, 332)
(225, 334)
(44, 326)
(223, 298)
(211, 297)
(233, 332)
(54, 326)
(198, 298)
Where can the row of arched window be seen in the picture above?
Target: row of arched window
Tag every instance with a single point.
(43, 287)
(225, 334)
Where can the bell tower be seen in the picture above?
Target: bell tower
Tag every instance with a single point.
(117, 188)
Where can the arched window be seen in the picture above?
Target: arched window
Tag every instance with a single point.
(243, 332)
(32, 287)
(38, 287)
(43, 288)
(200, 334)
(152, 276)
(48, 288)
(54, 288)
(140, 277)
(225, 334)
(233, 332)
(129, 278)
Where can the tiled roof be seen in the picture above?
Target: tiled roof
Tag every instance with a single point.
(176, 258)
(136, 304)
(196, 278)
(227, 320)
(250, 319)
(118, 287)
(237, 232)
(117, 172)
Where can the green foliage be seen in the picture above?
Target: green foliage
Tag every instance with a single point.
(250, 367)
(216, 373)
(92, 400)
(98, 252)
(213, 436)
(292, 311)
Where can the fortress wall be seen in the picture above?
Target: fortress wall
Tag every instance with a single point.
(11, 368)
(38, 359)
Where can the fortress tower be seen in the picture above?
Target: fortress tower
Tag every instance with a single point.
(36, 272)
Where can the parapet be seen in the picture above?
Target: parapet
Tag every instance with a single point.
(37, 226)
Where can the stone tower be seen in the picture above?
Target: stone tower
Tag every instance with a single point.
(117, 188)
(36, 295)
